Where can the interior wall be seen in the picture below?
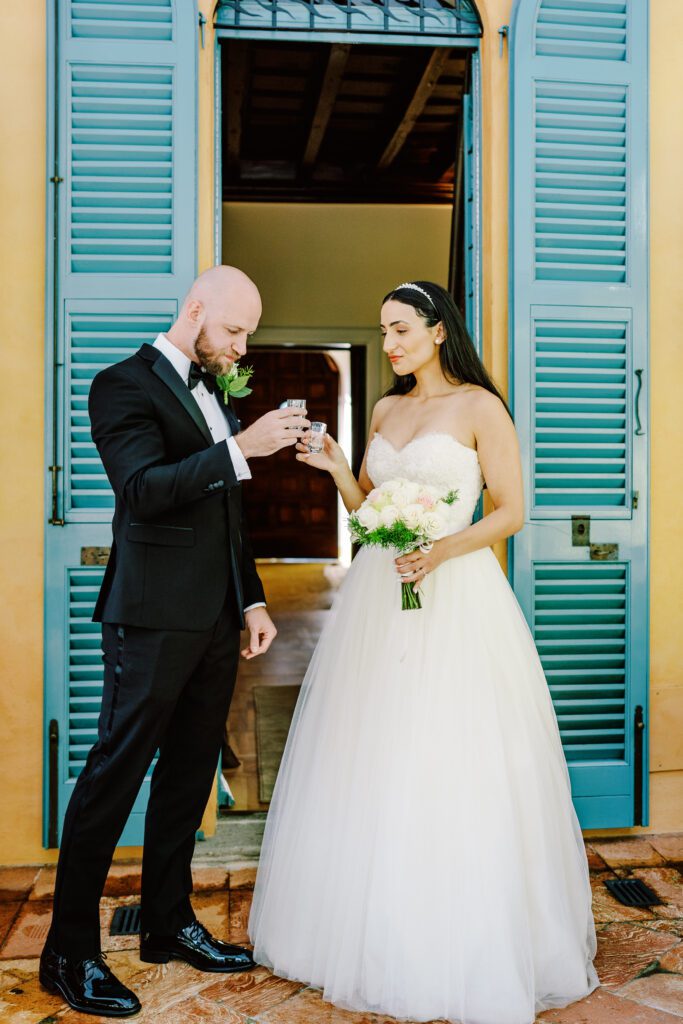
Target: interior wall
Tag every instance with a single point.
(330, 264)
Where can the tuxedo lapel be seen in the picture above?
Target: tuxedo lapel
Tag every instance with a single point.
(167, 373)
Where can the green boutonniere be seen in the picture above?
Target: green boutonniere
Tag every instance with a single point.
(235, 382)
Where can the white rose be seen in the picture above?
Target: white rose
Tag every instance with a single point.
(399, 497)
(433, 525)
(412, 492)
(381, 501)
(412, 516)
(388, 515)
(368, 517)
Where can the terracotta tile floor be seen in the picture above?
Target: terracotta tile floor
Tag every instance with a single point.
(640, 952)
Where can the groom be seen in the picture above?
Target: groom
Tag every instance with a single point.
(180, 583)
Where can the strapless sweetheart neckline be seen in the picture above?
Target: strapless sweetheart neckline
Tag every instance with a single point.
(425, 437)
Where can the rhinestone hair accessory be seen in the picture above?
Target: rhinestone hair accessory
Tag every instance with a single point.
(417, 288)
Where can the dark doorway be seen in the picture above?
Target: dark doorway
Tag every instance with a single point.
(292, 513)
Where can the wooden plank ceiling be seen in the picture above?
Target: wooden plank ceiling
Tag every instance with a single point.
(340, 122)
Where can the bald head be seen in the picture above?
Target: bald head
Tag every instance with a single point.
(219, 286)
(220, 312)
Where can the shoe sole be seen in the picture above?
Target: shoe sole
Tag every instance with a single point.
(56, 990)
(164, 958)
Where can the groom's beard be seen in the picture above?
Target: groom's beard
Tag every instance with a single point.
(212, 363)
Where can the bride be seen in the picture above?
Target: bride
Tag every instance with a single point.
(422, 857)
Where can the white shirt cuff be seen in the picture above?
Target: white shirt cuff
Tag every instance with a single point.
(239, 463)
(259, 604)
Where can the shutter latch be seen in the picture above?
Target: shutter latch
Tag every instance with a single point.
(581, 538)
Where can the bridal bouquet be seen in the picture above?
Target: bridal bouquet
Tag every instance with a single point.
(403, 515)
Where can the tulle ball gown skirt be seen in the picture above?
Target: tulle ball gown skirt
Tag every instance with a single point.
(422, 857)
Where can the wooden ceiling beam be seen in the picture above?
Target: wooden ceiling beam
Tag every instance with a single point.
(236, 89)
(430, 76)
(334, 72)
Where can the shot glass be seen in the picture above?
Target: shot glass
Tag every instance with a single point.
(294, 403)
(316, 437)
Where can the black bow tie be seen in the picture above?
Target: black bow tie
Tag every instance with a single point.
(199, 376)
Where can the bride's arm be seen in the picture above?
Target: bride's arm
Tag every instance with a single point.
(333, 461)
(498, 451)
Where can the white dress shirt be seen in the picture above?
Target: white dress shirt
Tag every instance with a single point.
(211, 411)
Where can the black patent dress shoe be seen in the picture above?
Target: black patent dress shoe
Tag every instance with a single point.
(197, 946)
(87, 985)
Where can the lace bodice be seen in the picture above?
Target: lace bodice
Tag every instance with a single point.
(436, 459)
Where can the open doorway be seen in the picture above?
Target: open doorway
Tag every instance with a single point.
(346, 168)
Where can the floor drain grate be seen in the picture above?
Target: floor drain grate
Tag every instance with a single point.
(632, 892)
(126, 921)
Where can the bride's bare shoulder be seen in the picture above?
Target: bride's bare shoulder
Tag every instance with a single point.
(382, 408)
(482, 401)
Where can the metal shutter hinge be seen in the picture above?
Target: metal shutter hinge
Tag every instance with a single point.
(202, 23)
(55, 519)
(53, 785)
(503, 33)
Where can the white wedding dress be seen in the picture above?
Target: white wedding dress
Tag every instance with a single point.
(422, 858)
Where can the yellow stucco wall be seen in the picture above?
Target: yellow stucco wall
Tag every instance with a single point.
(666, 420)
(22, 256)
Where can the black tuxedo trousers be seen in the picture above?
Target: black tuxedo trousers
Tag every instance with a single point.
(165, 690)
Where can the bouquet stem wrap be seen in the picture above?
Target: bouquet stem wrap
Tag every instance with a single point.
(410, 599)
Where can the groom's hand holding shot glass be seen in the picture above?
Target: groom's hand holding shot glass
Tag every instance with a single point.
(280, 428)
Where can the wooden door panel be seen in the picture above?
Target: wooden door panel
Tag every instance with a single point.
(291, 510)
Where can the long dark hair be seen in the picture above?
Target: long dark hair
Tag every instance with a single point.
(459, 360)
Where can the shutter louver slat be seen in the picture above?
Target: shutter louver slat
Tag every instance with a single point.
(120, 174)
(588, 29)
(147, 20)
(85, 671)
(581, 391)
(580, 182)
(580, 630)
(95, 342)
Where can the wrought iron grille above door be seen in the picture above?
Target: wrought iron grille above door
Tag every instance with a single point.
(404, 17)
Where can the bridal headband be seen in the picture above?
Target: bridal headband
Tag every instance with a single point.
(417, 288)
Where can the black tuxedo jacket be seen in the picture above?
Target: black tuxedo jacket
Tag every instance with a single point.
(179, 535)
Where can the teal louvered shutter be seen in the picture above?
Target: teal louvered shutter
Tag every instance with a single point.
(123, 212)
(579, 350)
